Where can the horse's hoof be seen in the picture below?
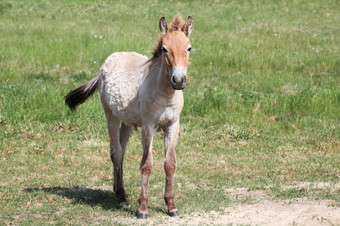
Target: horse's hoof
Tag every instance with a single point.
(123, 204)
(173, 213)
(142, 216)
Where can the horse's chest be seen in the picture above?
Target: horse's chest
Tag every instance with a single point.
(166, 117)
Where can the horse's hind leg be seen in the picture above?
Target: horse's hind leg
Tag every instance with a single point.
(117, 153)
(124, 135)
(170, 140)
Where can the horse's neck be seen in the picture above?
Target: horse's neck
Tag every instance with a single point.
(163, 86)
(159, 88)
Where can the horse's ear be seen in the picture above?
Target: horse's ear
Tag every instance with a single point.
(188, 26)
(163, 26)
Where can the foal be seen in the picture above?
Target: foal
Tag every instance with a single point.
(140, 92)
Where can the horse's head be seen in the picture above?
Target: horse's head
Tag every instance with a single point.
(175, 46)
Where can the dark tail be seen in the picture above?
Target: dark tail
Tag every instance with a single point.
(80, 95)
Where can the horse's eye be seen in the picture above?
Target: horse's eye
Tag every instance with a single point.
(164, 49)
(189, 49)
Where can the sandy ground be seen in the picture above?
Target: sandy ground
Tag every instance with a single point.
(279, 212)
(262, 211)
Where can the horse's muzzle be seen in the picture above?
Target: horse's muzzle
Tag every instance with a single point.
(179, 78)
(179, 83)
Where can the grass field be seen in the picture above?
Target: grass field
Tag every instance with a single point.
(262, 107)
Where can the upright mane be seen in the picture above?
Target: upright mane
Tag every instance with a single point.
(176, 25)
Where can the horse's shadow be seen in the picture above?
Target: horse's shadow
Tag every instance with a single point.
(92, 197)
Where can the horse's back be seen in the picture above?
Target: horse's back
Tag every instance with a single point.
(120, 79)
(124, 62)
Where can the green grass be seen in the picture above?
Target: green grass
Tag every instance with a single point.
(262, 107)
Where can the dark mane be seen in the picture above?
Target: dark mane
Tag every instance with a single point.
(158, 49)
(176, 25)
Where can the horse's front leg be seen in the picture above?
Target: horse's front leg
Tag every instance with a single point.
(145, 167)
(170, 140)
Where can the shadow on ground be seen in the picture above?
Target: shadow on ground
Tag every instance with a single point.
(87, 196)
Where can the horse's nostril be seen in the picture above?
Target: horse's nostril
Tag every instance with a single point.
(176, 80)
(173, 80)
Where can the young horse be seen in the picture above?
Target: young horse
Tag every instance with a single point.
(140, 92)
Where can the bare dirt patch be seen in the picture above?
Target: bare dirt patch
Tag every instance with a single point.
(266, 212)
(263, 210)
